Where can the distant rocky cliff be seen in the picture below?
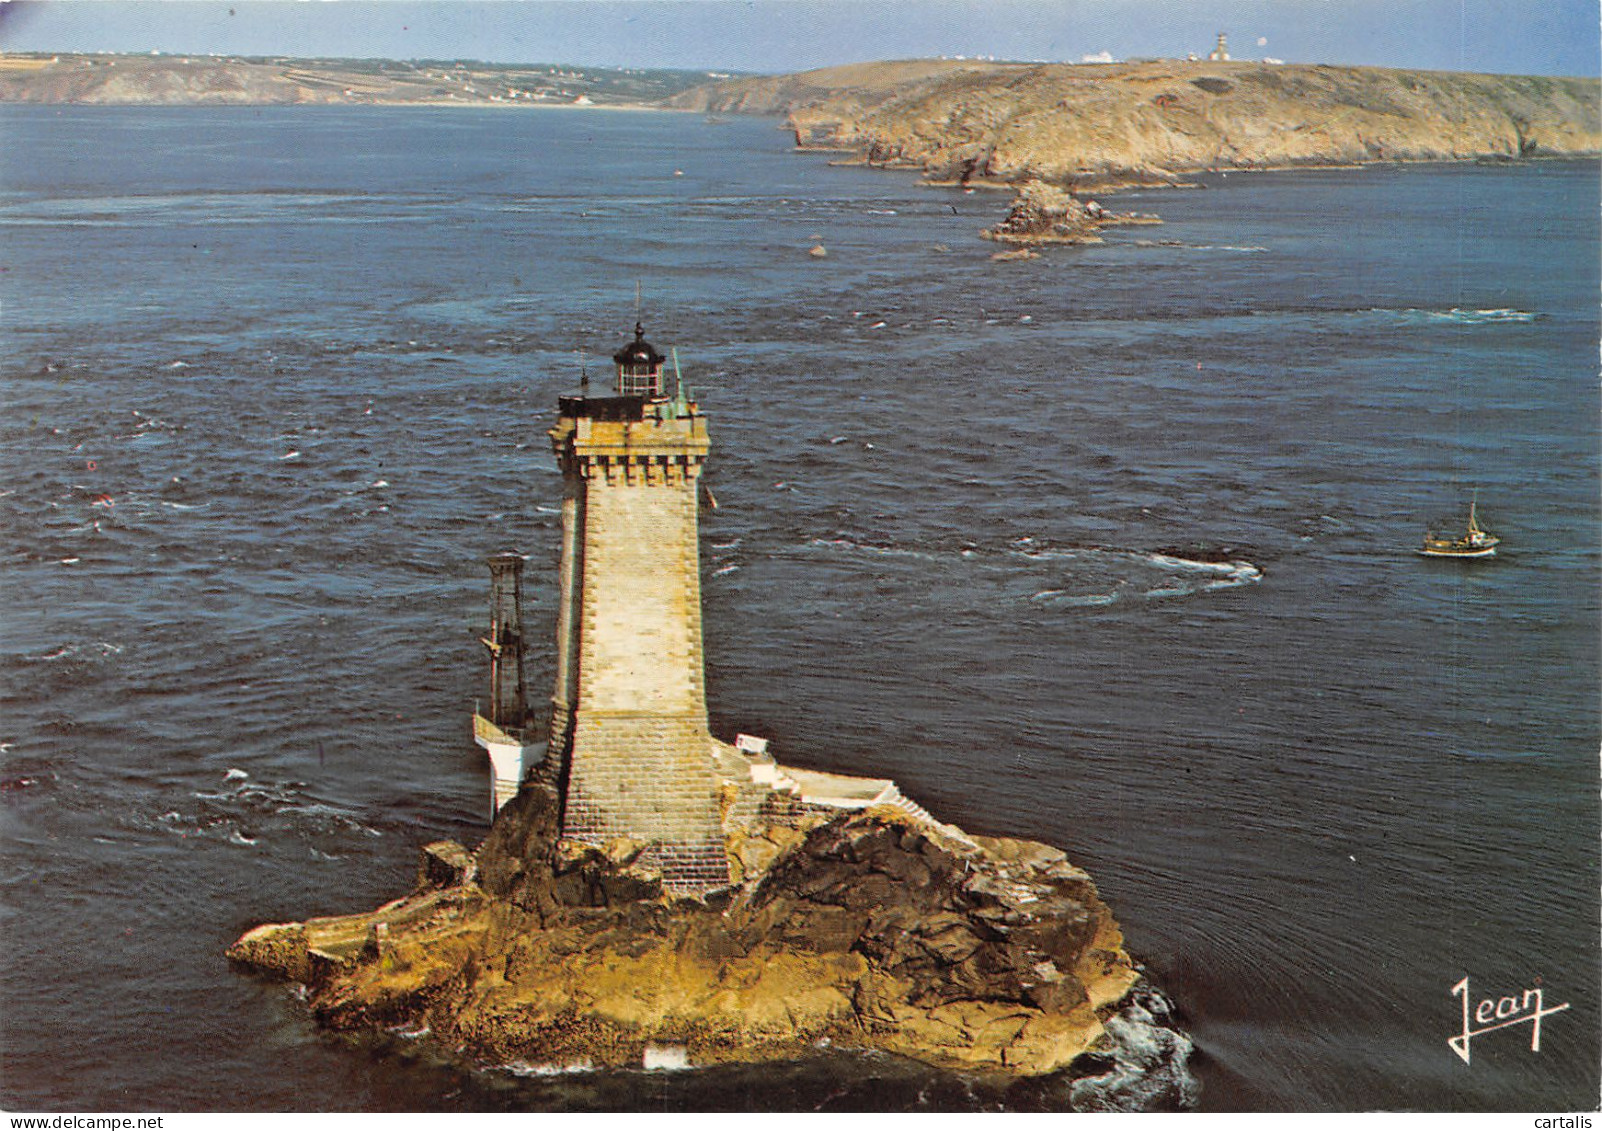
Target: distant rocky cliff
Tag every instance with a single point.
(1099, 126)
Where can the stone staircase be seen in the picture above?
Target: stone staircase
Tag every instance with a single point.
(895, 799)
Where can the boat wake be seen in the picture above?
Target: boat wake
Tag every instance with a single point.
(1042, 575)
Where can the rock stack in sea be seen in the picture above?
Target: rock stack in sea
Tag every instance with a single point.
(875, 928)
(1044, 213)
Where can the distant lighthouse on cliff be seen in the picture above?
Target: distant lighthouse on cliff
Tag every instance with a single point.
(1220, 54)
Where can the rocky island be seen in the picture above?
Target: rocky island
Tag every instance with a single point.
(1043, 213)
(866, 929)
(650, 896)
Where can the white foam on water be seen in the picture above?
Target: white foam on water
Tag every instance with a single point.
(1465, 316)
(1048, 555)
(665, 1058)
(1493, 314)
(1187, 564)
(876, 551)
(721, 570)
(234, 774)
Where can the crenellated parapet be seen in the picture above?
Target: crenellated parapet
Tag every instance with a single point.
(630, 440)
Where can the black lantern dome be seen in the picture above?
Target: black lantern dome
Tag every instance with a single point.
(639, 367)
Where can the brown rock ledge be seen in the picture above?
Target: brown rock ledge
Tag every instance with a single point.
(866, 929)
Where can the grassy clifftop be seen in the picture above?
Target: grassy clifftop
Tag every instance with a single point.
(1150, 122)
(209, 80)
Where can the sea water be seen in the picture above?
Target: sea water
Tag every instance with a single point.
(1112, 548)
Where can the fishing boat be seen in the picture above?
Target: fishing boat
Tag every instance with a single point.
(1474, 543)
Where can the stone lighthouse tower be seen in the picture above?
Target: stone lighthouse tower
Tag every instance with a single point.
(629, 744)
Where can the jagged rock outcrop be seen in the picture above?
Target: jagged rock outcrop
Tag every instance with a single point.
(867, 929)
(1043, 213)
(1151, 123)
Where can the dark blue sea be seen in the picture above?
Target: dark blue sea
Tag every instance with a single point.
(1112, 548)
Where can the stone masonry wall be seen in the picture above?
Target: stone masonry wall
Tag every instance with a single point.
(638, 761)
(640, 641)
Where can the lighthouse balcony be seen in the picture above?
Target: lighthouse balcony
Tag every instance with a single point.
(602, 408)
(625, 409)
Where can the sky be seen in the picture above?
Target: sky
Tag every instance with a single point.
(1499, 36)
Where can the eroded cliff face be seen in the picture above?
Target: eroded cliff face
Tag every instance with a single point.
(864, 929)
(1150, 123)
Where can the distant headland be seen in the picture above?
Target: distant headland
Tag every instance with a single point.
(223, 80)
(1104, 126)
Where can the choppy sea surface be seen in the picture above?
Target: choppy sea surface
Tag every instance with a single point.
(1112, 548)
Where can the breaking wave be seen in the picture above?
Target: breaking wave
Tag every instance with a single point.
(1466, 317)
